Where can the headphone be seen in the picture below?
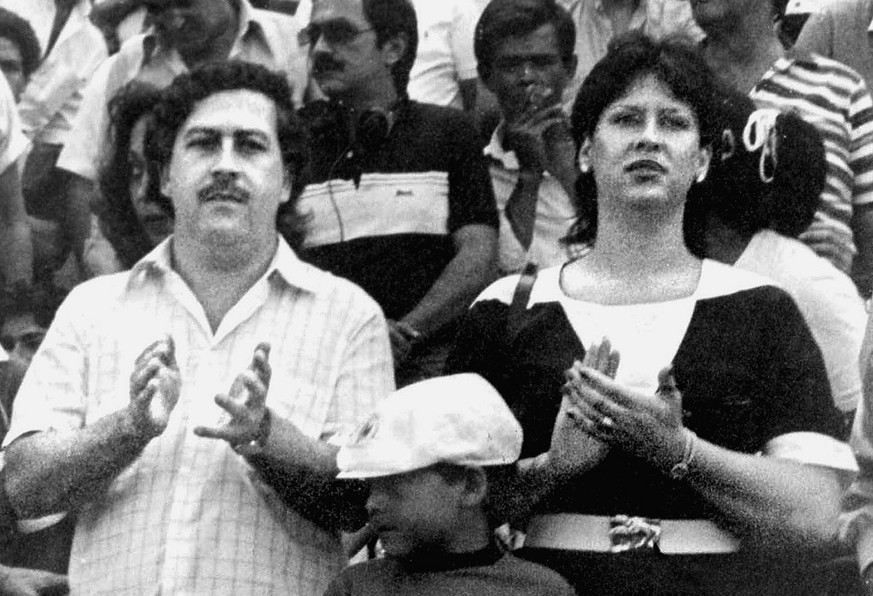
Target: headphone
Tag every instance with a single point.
(335, 124)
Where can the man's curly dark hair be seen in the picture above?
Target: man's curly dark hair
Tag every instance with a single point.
(115, 209)
(180, 98)
(19, 31)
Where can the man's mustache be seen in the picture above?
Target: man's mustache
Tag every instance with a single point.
(325, 63)
(222, 189)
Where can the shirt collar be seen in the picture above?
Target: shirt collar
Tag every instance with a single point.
(870, 26)
(285, 265)
(496, 151)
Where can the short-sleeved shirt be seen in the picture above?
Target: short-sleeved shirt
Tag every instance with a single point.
(53, 94)
(826, 297)
(555, 212)
(445, 51)
(383, 216)
(12, 140)
(189, 515)
(264, 37)
(835, 99)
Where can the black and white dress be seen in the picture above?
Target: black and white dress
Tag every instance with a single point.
(751, 376)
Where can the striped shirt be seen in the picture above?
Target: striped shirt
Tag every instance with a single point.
(835, 99)
(190, 516)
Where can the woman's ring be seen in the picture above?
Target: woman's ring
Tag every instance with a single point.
(606, 422)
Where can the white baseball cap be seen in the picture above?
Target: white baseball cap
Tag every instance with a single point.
(458, 419)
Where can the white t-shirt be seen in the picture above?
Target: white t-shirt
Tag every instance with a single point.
(828, 300)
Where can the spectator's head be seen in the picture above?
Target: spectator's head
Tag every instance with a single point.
(19, 51)
(524, 50)
(227, 141)
(133, 214)
(728, 15)
(428, 453)
(768, 169)
(678, 69)
(359, 46)
(194, 26)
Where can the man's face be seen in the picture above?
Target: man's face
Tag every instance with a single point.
(226, 177)
(12, 66)
(191, 24)
(415, 512)
(345, 59)
(527, 72)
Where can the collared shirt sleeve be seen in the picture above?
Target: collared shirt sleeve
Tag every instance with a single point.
(52, 394)
(61, 77)
(365, 377)
(80, 154)
(464, 18)
(12, 141)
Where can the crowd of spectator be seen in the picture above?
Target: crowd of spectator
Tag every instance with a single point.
(333, 297)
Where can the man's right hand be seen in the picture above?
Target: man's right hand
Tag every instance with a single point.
(154, 387)
(542, 141)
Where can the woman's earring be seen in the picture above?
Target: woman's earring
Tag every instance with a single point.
(701, 176)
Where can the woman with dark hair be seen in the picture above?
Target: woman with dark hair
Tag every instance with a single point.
(702, 460)
(133, 215)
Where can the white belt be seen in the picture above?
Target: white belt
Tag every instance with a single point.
(599, 533)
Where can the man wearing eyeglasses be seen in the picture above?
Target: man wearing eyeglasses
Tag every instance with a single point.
(400, 200)
(184, 34)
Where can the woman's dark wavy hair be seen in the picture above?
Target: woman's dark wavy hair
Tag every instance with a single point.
(674, 61)
(18, 29)
(115, 210)
(187, 90)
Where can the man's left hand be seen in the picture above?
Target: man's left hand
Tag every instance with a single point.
(245, 403)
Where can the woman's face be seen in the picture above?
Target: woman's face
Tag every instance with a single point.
(646, 147)
(157, 223)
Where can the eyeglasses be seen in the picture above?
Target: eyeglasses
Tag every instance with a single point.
(335, 33)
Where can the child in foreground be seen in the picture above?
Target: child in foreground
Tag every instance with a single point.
(427, 455)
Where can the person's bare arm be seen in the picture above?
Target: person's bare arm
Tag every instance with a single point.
(472, 268)
(16, 249)
(53, 471)
(81, 194)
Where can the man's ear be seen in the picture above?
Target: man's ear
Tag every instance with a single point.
(394, 49)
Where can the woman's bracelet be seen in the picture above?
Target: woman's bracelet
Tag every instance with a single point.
(680, 470)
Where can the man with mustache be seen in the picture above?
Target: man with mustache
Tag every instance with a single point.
(185, 34)
(400, 201)
(184, 408)
(525, 54)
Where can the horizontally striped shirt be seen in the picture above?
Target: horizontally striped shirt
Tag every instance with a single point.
(190, 516)
(835, 99)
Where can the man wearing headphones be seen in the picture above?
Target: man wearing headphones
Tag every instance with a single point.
(400, 200)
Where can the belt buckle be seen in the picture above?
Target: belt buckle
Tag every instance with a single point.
(630, 533)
